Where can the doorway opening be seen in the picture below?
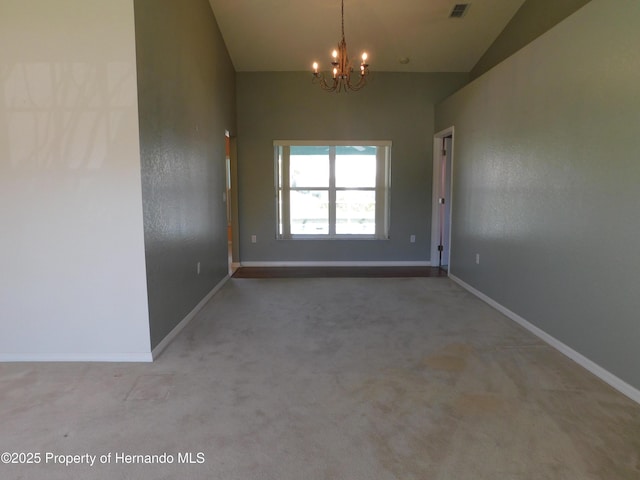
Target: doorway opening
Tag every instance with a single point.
(231, 174)
(443, 151)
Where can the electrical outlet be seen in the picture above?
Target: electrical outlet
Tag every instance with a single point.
(412, 239)
(198, 268)
(477, 259)
(254, 239)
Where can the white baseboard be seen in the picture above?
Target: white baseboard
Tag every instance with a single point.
(338, 264)
(605, 375)
(164, 343)
(76, 357)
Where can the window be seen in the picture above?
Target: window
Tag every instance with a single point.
(332, 189)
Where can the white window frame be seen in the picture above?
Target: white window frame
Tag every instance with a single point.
(382, 189)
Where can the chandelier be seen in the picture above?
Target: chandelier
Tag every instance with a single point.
(342, 69)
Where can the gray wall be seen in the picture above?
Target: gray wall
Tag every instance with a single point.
(531, 20)
(286, 106)
(186, 91)
(547, 184)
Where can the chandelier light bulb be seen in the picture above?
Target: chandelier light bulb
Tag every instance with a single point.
(315, 67)
(364, 57)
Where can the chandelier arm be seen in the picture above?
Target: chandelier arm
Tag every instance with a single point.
(361, 83)
(340, 83)
(320, 79)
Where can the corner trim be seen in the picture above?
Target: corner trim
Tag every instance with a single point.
(76, 357)
(164, 343)
(338, 264)
(604, 375)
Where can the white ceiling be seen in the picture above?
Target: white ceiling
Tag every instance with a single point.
(289, 35)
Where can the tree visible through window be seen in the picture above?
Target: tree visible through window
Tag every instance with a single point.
(332, 189)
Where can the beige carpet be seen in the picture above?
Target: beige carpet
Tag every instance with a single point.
(322, 379)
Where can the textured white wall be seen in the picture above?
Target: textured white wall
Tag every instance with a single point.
(72, 272)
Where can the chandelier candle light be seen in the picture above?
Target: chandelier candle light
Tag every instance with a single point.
(342, 69)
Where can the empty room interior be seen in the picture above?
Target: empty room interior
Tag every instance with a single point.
(416, 258)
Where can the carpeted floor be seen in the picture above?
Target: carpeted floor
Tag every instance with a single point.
(323, 379)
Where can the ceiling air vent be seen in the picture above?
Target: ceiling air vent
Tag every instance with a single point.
(459, 9)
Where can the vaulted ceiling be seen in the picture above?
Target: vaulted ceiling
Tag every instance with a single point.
(289, 35)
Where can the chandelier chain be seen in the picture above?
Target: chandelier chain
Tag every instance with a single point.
(342, 20)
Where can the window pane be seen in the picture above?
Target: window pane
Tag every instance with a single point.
(309, 167)
(280, 213)
(309, 212)
(356, 167)
(355, 212)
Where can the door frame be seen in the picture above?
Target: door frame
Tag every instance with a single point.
(436, 193)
